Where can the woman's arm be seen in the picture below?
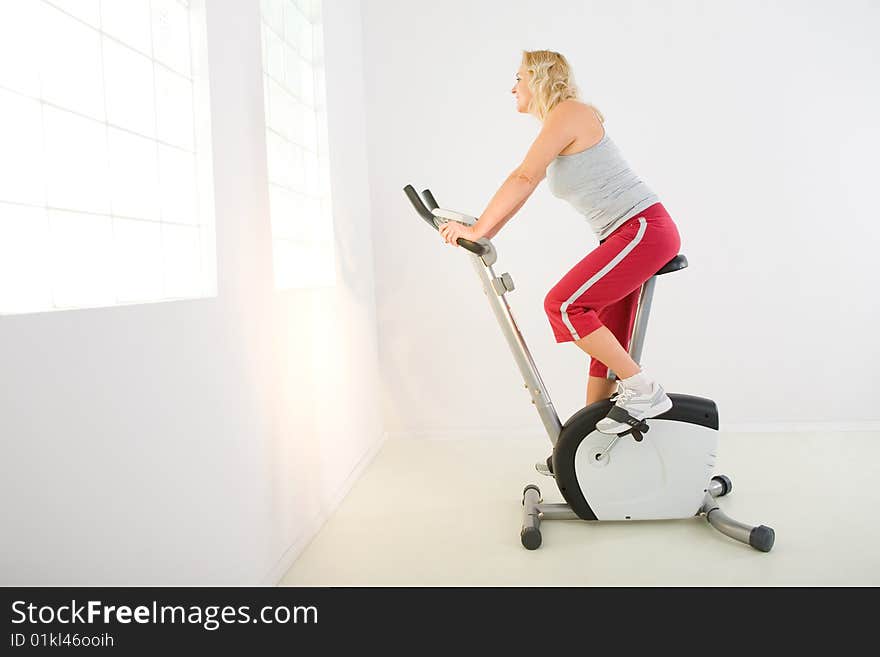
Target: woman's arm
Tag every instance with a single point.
(557, 133)
(492, 233)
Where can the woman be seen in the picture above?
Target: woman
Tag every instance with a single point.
(594, 305)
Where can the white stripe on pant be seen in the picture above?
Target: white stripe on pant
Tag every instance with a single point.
(599, 274)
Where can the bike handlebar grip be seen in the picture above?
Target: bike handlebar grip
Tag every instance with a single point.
(429, 198)
(474, 247)
(424, 212)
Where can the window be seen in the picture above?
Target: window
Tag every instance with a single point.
(296, 143)
(105, 177)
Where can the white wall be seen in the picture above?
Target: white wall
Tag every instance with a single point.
(202, 442)
(755, 122)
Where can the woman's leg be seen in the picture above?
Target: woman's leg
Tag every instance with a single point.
(618, 318)
(602, 345)
(599, 388)
(619, 266)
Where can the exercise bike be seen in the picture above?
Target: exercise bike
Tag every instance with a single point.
(659, 469)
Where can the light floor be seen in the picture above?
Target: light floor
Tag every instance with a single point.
(448, 513)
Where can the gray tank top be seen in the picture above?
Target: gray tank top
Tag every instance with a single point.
(600, 185)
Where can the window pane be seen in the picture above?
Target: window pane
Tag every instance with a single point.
(128, 21)
(307, 77)
(71, 64)
(266, 105)
(293, 70)
(128, 78)
(316, 11)
(318, 46)
(279, 153)
(285, 207)
(311, 170)
(21, 45)
(177, 186)
(98, 150)
(81, 250)
(280, 109)
(274, 64)
(323, 167)
(297, 30)
(21, 150)
(138, 260)
(310, 138)
(272, 14)
(85, 10)
(76, 153)
(133, 175)
(299, 190)
(297, 123)
(320, 89)
(174, 108)
(171, 35)
(299, 161)
(24, 259)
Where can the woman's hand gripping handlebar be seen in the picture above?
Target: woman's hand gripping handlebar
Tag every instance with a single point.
(437, 216)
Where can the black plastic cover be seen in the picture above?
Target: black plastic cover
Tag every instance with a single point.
(762, 538)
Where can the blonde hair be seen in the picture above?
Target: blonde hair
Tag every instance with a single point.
(550, 81)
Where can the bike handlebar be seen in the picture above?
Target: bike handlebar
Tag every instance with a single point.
(474, 247)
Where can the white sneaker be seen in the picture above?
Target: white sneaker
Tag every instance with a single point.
(636, 401)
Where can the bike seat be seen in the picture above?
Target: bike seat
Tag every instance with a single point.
(678, 262)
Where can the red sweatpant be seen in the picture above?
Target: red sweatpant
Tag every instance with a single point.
(603, 288)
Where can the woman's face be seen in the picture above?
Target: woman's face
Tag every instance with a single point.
(521, 90)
